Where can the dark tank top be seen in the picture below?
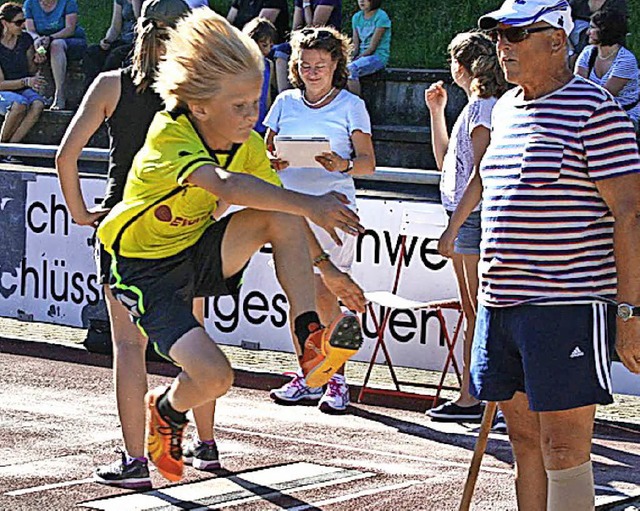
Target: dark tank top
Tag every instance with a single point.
(127, 127)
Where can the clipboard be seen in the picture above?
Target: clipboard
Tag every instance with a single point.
(300, 151)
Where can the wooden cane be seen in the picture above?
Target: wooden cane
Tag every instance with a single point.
(478, 453)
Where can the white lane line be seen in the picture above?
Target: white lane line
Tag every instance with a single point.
(352, 496)
(63, 484)
(288, 492)
(364, 451)
(45, 487)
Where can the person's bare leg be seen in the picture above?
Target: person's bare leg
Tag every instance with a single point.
(566, 449)
(12, 121)
(524, 433)
(59, 71)
(32, 115)
(130, 375)
(466, 271)
(203, 415)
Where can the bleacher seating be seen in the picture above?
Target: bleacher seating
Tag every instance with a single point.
(394, 97)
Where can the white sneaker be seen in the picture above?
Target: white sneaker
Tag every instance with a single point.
(336, 397)
(296, 390)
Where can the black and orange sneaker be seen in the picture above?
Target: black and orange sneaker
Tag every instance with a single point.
(327, 349)
(164, 439)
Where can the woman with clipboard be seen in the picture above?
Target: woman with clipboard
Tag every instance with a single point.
(319, 106)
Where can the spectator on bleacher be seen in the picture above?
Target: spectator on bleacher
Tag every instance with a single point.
(264, 33)
(476, 70)
(114, 48)
(242, 12)
(616, 5)
(53, 24)
(320, 105)
(581, 14)
(608, 63)
(306, 13)
(371, 42)
(126, 101)
(20, 102)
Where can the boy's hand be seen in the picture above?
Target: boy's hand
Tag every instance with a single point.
(330, 212)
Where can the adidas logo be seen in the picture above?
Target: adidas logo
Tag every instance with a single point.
(577, 352)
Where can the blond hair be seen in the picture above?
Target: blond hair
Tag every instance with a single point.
(204, 49)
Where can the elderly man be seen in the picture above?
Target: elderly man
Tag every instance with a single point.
(562, 165)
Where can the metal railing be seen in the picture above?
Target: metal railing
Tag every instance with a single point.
(382, 174)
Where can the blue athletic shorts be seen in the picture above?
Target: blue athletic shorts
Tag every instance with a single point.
(559, 355)
(468, 240)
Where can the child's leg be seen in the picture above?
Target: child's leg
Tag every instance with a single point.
(203, 415)
(466, 270)
(247, 231)
(130, 374)
(362, 66)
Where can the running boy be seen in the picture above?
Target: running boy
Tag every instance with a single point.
(167, 249)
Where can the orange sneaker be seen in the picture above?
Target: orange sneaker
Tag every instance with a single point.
(327, 349)
(164, 439)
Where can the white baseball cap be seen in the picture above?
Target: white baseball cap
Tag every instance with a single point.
(521, 13)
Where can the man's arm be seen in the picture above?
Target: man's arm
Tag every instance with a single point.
(622, 195)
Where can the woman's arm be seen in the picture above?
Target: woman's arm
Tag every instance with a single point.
(98, 104)
(31, 53)
(365, 160)
(70, 21)
(31, 29)
(17, 84)
(113, 32)
(321, 15)
(270, 13)
(581, 71)
(298, 18)
(480, 138)
(375, 41)
(615, 84)
(356, 44)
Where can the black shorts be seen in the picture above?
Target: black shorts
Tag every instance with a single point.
(103, 261)
(159, 293)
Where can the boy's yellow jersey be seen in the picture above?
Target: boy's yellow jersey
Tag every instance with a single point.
(161, 214)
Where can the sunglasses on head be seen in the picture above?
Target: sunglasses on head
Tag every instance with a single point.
(515, 34)
(321, 33)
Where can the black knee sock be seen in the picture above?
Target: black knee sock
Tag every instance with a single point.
(305, 324)
(169, 412)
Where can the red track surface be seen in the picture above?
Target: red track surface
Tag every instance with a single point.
(58, 421)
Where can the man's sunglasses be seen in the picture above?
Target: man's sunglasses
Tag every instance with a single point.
(515, 34)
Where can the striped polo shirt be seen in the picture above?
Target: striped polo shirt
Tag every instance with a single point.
(547, 233)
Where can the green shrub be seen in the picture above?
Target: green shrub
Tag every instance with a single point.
(422, 29)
